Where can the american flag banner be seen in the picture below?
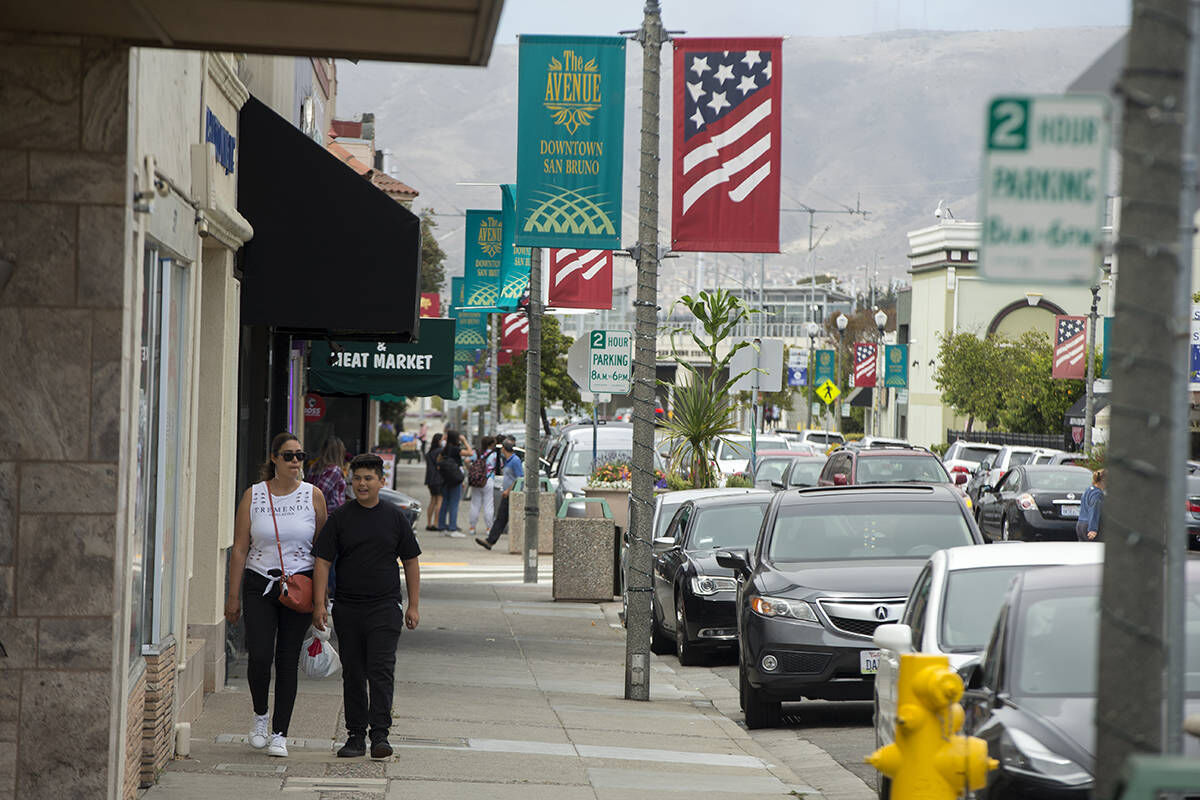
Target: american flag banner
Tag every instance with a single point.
(580, 279)
(1070, 334)
(725, 177)
(864, 363)
(514, 332)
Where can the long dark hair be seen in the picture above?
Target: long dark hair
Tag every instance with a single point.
(436, 443)
(452, 438)
(333, 453)
(267, 471)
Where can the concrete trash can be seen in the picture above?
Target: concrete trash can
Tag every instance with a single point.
(583, 562)
(516, 521)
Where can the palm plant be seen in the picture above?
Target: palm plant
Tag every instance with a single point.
(702, 409)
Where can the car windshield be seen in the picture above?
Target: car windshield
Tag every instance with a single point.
(727, 526)
(975, 454)
(901, 468)
(731, 451)
(973, 598)
(805, 473)
(873, 528)
(579, 462)
(770, 469)
(1065, 480)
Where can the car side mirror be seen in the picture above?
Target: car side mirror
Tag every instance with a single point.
(736, 560)
(839, 479)
(663, 543)
(777, 484)
(971, 672)
(960, 478)
(896, 637)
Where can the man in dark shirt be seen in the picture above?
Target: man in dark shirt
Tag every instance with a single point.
(367, 537)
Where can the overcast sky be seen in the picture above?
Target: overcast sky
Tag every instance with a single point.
(806, 17)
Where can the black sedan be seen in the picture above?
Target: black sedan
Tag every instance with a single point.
(830, 565)
(1033, 700)
(1034, 504)
(693, 602)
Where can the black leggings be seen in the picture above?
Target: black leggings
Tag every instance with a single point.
(274, 634)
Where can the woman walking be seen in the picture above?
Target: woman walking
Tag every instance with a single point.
(277, 523)
(433, 481)
(479, 478)
(327, 473)
(1087, 529)
(450, 464)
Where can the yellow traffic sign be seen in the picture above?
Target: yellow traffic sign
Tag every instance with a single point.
(828, 391)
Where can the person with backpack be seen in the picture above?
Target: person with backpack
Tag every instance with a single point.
(512, 469)
(450, 466)
(433, 481)
(479, 478)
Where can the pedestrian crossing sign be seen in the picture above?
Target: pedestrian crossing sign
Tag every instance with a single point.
(828, 392)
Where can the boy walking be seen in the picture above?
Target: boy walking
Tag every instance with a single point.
(367, 537)
(512, 469)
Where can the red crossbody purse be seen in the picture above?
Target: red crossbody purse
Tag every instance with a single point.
(295, 591)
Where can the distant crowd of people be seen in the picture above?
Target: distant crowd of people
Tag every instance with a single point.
(488, 472)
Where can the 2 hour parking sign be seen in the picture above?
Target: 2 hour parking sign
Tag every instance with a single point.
(610, 361)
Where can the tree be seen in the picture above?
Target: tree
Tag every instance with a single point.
(557, 385)
(433, 272)
(1032, 401)
(970, 375)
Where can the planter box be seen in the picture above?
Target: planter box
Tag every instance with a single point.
(618, 504)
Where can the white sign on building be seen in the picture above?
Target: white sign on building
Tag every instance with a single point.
(1045, 182)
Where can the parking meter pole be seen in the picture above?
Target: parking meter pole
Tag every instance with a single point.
(637, 617)
(533, 417)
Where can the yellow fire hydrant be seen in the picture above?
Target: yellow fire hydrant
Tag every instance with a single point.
(930, 760)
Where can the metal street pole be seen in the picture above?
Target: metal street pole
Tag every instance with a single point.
(533, 414)
(637, 618)
(837, 374)
(1089, 413)
(1139, 708)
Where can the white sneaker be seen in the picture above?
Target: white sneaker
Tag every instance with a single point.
(258, 737)
(278, 746)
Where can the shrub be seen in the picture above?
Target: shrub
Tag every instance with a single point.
(739, 481)
(940, 449)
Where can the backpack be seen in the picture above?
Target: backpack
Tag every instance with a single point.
(477, 472)
(448, 468)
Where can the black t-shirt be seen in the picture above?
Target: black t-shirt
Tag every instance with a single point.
(366, 543)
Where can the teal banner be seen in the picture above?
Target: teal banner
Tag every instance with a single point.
(824, 367)
(1107, 329)
(570, 140)
(471, 333)
(895, 360)
(481, 268)
(457, 299)
(514, 264)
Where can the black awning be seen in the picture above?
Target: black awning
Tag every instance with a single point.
(1074, 416)
(864, 397)
(331, 253)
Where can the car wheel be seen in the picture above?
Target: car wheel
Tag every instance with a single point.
(660, 645)
(686, 653)
(759, 711)
(1004, 529)
(885, 787)
(741, 685)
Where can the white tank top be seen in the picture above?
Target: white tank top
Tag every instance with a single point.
(297, 520)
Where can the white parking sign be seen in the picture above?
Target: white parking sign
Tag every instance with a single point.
(1045, 184)
(610, 361)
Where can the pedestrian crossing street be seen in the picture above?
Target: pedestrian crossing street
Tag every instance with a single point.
(466, 572)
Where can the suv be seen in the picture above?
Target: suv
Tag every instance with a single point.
(992, 469)
(829, 566)
(891, 464)
(965, 457)
(571, 459)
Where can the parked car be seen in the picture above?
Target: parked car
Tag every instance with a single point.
(571, 465)
(1043, 456)
(951, 611)
(1062, 457)
(1193, 511)
(991, 470)
(891, 464)
(665, 506)
(1033, 504)
(1033, 697)
(409, 506)
(829, 566)
(693, 609)
(822, 439)
(965, 457)
(868, 442)
(803, 472)
(780, 469)
(733, 453)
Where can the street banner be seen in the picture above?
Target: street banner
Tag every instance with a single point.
(570, 141)
(514, 332)
(1195, 348)
(457, 297)
(431, 304)
(1070, 345)
(797, 376)
(581, 279)
(514, 262)
(481, 268)
(895, 360)
(864, 364)
(726, 169)
(825, 363)
(504, 358)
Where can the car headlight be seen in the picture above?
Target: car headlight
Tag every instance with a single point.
(779, 607)
(706, 585)
(1021, 753)
(1026, 502)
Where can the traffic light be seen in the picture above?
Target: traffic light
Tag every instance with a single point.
(930, 759)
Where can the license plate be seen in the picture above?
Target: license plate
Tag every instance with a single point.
(868, 661)
(1069, 511)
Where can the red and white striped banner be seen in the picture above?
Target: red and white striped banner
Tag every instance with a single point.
(1070, 334)
(514, 332)
(580, 279)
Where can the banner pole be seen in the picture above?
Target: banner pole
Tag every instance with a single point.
(533, 411)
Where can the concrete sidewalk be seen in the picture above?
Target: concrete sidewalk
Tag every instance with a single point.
(501, 693)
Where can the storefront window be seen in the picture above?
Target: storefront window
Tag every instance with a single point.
(146, 501)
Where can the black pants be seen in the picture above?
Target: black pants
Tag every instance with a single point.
(274, 634)
(500, 522)
(367, 636)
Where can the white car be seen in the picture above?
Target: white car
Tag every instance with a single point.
(822, 439)
(952, 609)
(734, 453)
(965, 457)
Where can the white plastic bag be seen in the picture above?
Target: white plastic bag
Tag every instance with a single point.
(318, 657)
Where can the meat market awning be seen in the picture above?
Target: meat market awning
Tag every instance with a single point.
(387, 370)
(331, 253)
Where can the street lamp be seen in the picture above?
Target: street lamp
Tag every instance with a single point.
(813, 330)
(842, 321)
(880, 322)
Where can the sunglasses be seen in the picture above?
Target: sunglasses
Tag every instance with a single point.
(293, 455)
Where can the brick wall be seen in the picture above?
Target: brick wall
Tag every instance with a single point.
(158, 727)
(135, 708)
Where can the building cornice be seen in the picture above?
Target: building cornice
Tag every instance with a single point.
(220, 69)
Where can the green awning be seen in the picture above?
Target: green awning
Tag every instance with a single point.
(388, 370)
